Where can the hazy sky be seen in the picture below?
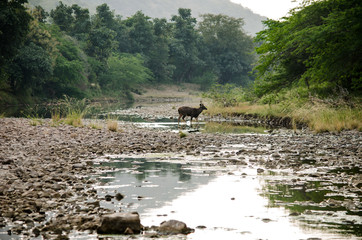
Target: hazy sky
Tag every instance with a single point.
(274, 9)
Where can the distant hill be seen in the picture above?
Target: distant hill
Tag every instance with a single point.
(167, 8)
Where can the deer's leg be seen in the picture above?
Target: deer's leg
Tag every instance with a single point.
(178, 122)
(191, 122)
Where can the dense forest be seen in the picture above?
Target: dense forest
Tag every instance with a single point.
(166, 9)
(68, 51)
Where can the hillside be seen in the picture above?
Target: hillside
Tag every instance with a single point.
(167, 8)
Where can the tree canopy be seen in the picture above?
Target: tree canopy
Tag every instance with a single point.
(317, 47)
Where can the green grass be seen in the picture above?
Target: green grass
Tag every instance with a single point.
(35, 120)
(74, 118)
(182, 134)
(213, 127)
(95, 126)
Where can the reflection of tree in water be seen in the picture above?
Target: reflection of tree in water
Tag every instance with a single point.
(146, 168)
(309, 196)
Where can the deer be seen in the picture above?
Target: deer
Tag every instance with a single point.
(189, 111)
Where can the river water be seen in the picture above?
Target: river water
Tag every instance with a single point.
(225, 201)
(220, 200)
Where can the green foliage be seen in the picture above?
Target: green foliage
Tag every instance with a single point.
(72, 19)
(101, 43)
(140, 32)
(317, 47)
(231, 49)
(125, 72)
(29, 69)
(182, 134)
(14, 26)
(226, 95)
(82, 56)
(184, 54)
(62, 16)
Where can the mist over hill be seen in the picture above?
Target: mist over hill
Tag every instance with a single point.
(167, 8)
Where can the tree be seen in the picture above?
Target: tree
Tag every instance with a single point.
(140, 32)
(40, 14)
(158, 55)
(72, 19)
(125, 73)
(81, 23)
(14, 26)
(30, 69)
(318, 47)
(104, 17)
(62, 16)
(229, 47)
(101, 43)
(184, 54)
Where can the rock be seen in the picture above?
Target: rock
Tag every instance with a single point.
(119, 196)
(118, 223)
(293, 214)
(36, 232)
(174, 227)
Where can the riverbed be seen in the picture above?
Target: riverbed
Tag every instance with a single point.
(58, 180)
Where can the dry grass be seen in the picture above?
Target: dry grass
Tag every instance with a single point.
(320, 116)
(112, 125)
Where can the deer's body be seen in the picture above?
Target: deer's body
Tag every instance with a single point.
(189, 111)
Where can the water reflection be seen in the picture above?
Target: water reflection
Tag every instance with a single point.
(218, 202)
(320, 204)
(147, 183)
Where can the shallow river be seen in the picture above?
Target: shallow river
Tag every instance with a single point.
(241, 200)
(220, 200)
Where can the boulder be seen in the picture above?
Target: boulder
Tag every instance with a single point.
(174, 227)
(120, 223)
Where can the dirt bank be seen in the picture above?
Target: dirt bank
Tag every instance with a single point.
(45, 189)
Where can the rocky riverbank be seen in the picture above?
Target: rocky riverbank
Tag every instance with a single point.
(45, 189)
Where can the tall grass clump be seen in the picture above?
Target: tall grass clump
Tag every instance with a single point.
(323, 118)
(112, 123)
(73, 110)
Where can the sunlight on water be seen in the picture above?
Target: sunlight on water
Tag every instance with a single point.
(218, 202)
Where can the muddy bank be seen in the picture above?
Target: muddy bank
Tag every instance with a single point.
(45, 189)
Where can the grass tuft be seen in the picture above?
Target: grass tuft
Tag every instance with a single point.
(35, 120)
(74, 118)
(112, 125)
(182, 134)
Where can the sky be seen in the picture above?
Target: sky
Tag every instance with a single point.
(273, 9)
